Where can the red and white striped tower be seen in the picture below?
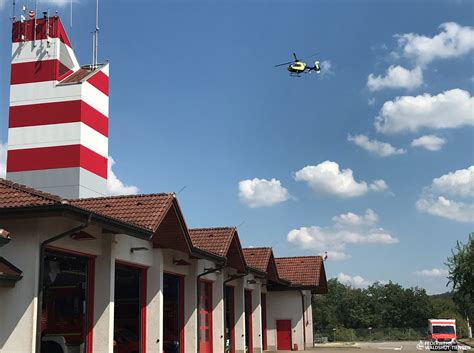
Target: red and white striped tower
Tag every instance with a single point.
(58, 123)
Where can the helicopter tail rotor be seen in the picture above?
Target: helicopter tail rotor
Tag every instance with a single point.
(317, 66)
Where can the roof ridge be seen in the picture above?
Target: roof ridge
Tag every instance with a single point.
(30, 190)
(213, 228)
(299, 257)
(115, 197)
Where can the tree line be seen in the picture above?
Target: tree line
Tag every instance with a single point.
(390, 305)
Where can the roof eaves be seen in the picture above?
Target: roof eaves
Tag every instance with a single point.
(200, 253)
(256, 271)
(66, 209)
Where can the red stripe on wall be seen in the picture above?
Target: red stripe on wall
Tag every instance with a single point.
(58, 113)
(56, 157)
(101, 82)
(34, 71)
(22, 32)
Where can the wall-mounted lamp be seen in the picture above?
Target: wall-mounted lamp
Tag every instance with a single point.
(139, 248)
(4, 237)
(212, 270)
(82, 236)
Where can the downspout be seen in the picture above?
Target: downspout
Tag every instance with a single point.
(41, 274)
(198, 291)
(230, 279)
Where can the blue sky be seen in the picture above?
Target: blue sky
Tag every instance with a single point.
(303, 164)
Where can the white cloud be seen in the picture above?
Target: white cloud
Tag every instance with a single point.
(450, 109)
(457, 183)
(437, 198)
(353, 281)
(429, 142)
(352, 219)
(115, 186)
(453, 41)
(378, 148)
(443, 207)
(326, 178)
(378, 185)
(396, 77)
(435, 272)
(371, 102)
(2, 4)
(348, 228)
(261, 192)
(3, 159)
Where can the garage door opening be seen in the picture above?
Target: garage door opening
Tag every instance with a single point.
(229, 320)
(67, 303)
(248, 321)
(173, 313)
(129, 309)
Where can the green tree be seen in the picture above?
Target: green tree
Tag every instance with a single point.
(461, 276)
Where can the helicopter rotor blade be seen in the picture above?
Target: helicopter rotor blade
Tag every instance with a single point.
(289, 62)
(310, 56)
(294, 55)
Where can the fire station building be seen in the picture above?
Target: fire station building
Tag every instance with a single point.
(82, 272)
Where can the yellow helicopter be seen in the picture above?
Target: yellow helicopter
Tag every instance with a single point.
(297, 67)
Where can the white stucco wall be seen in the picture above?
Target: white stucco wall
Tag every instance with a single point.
(18, 310)
(285, 305)
(256, 289)
(308, 318)
(154, 322)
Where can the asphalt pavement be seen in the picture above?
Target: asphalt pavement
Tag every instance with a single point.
(372, 347)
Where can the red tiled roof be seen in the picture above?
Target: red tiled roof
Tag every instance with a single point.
(220, 241)
(145, 211)
(17, 195)
(157, 214)
(258, 258)
(214, 240)
(302, 270)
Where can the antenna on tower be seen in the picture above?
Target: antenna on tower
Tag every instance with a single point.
(95, 38)
(13, 10)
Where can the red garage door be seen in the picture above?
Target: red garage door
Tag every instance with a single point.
(205, 317)
(283, 334)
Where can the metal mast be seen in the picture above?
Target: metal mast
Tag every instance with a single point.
(95, 38)
(13, 10)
